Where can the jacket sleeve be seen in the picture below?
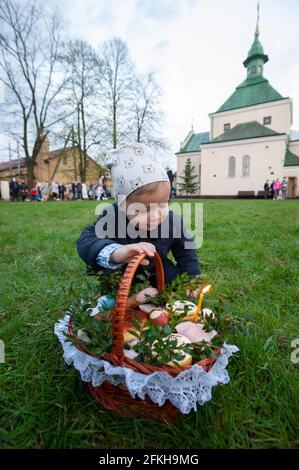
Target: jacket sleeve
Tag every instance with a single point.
(186, 258)
(92, 240)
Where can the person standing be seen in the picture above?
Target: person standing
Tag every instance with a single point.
(266, 189)
(74, 191)
(94, 191)
(277, 188)
(61, 191)
(79, 190)
(84, 191)
(99, 192)
(44, 189)
(23, 191)
(272, 190)
(54, 188)
(14, 189)
(284, 188)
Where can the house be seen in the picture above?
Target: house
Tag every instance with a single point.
(60, 165)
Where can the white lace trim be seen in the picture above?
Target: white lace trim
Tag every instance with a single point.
(185, 391)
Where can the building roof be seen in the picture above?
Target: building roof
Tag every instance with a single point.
(252, 91)
(194, 142)
(12, 164)
(245, 130)
(291, 159)
(21, 161)
(55, 153)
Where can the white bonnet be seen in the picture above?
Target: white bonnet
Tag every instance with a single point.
(133, 166)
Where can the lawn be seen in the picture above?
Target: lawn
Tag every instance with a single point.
(250, 254)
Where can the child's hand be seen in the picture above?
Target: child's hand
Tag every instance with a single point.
(193, 293)
(125, 253)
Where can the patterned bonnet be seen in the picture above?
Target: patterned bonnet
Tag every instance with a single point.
(133, 166)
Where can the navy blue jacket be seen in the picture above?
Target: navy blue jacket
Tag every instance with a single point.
(94, 238)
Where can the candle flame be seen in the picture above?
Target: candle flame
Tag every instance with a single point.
(206, 288)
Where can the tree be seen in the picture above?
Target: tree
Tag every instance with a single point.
(81, 95)
(189, 186)
(147, 117)
(117, 76)
(29, 46)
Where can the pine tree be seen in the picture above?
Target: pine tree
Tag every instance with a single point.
(189, 186)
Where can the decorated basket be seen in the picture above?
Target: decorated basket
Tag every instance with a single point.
(116, 396)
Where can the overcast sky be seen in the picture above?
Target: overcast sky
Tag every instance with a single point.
(195, 49)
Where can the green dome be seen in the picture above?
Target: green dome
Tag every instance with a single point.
(256, 48)
(256, 52)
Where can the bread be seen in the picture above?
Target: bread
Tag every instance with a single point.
(177, 308)
(141, 297)
(147, 308)
(181, 341)
(136, 316)
(195, 332)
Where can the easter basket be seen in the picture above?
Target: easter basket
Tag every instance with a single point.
(131, 388)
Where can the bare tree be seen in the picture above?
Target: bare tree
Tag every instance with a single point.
(30, 40)
(81, 97)
(116, 87)
(147, 116)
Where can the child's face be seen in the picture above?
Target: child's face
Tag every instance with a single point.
(147, 211)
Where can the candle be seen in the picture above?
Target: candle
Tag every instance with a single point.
(204, 290)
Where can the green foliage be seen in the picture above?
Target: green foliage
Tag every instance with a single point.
(176, 289)
(251, 263)
(98, 332)
(189, 185)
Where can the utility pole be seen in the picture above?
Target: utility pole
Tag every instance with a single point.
(9, 156)
(74, 155)
(18, 156)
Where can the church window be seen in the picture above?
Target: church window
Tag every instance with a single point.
(64, 160)
(232, 167)
(226, 127)
(252, 70)
(246, 165)
(267, 120)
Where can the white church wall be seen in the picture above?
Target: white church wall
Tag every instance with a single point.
(266, 156)
(181, 162)
(280, 112)
(294, 147)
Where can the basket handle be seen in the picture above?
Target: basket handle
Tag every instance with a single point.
(119, 310)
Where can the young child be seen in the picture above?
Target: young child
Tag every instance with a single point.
(139, 221)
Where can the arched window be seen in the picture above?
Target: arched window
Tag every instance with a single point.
(232, 167)
(246, 165)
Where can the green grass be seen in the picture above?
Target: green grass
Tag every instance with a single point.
(250, 253)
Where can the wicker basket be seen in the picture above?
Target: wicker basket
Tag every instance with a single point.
(117, 398)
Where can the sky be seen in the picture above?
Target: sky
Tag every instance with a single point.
(195, 48)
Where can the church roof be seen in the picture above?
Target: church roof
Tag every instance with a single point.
(194, 142)
(291, 159)
(245, 130)
(254, 90)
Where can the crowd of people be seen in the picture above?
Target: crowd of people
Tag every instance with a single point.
(276, 190)
(44, 191)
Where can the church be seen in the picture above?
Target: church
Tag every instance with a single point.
(250, 139)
